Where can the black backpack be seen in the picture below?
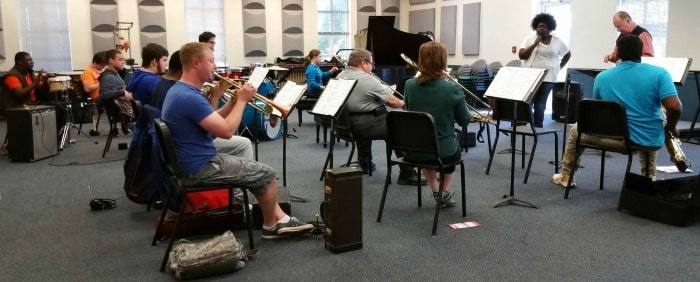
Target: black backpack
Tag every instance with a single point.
(145, 176)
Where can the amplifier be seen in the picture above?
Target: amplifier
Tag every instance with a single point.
(342, 209)
(559, 104)
(32, 133)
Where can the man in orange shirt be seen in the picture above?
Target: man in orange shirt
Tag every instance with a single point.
(21, 82)
(91, 85)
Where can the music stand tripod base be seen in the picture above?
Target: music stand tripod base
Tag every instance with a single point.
(511, 200)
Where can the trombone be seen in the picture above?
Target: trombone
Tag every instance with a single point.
(478, 117)
(396, 93)
(225, 84)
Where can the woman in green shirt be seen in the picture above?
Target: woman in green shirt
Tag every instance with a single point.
(430, 92)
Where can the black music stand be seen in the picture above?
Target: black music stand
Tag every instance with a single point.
(519, 84)
(288, 96)
(329, 106)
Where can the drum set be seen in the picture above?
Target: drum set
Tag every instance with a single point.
(63, 95)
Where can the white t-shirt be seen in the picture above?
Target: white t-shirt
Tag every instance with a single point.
(546, 56)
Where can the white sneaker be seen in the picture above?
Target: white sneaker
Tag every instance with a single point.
(558, 179)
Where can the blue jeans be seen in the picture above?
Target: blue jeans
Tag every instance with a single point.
(539, 102)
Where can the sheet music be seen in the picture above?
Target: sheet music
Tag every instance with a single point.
(677, 67)
(514, 83)
(258, 76)
(288, 95)
(334, 96)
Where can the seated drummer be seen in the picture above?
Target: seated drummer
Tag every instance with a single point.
(22, 83)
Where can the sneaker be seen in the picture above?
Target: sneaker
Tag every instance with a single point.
(411, 178)
(559, 179)
(447, 200)
(94, 133)
(293, 227)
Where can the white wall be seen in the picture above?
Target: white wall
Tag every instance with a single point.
(684, 31)
(504, 23)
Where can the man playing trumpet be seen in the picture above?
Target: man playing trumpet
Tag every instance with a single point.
(226, 159)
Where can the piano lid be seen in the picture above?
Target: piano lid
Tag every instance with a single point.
(387, 43)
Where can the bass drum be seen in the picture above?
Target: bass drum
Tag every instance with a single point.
(259, 125)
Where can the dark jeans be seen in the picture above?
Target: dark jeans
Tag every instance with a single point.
(539, 103)
(366, 128)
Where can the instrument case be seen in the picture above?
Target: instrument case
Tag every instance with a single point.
(341, 209)
(672, 201)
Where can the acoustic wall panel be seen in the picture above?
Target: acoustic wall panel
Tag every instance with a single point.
(103, 17)
(2, 38)
(152, 22)
(255, 38)
(391, 8)
(448, 28)
(421, 20)
(471, 19)
(415, 2)
(365, 9)
(293, 28)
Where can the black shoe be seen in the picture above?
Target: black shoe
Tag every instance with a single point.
(447, 200)
(371, 168)
(411, 178)
(94, 133)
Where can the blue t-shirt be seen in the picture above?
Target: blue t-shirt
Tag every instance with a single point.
(183, 109)
(141, 85)
(640, 87)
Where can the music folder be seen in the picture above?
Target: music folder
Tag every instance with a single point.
(516, 83)
(288, 96)
(677, 67)
(333, 97)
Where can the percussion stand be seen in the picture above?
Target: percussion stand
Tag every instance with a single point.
(65, 130)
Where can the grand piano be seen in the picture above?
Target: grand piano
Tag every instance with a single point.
(387, 43)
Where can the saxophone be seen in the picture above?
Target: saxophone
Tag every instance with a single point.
(673, 145)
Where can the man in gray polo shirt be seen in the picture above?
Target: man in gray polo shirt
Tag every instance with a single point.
(367, 107)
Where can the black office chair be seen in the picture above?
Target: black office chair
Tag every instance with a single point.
(341, 131)
(402, 129)
(167, 148)
(604, 119)
(503, 111)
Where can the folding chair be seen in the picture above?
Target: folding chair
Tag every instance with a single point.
(173, 166)
(402, 129)
(604, 119)
(503, 111)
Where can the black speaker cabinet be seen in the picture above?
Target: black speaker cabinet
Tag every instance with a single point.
(559, 104)
(32, 133)
(342, 209)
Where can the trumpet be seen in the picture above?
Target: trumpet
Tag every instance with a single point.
(225, 84)
(477, 117)
(396, 93)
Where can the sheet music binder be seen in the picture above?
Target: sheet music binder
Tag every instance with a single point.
(333, 97)
(288, 96)
(677, 67)
(515, 83)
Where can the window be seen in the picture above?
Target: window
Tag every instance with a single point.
(207, 15)
(333, 26)
(651, 15)
(43, 32)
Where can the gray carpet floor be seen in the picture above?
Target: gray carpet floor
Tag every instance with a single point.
(47, 231)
